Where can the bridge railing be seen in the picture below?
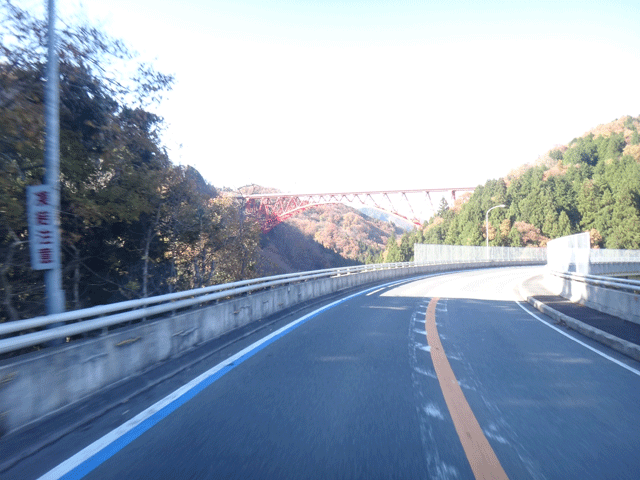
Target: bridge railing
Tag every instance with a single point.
(93, 321)
(109, 343)
(613, 283)
(102, 317)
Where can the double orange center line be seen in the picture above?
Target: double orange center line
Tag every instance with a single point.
(481, 456)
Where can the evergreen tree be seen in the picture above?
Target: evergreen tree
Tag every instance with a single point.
(515, 240)
(563, 227)
(582, 150)
(443, 208)
(436, 231)
(393, 253)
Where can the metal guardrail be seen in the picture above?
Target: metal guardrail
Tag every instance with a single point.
(104, 316)
(627, 286)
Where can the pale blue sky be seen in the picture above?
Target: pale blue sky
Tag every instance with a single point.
(363, 95)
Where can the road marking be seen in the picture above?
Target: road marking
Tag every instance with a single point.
(376, 291)
(482, 459)
(92, 456)
(602, 354)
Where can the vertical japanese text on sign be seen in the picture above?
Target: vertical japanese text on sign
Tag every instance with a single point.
(41, 227)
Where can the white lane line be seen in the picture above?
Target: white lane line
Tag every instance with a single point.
(104, 448)
(427, 373)
(595, 350)
(376, 291)
(107, 440)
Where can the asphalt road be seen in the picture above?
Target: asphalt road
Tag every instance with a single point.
(364, 389)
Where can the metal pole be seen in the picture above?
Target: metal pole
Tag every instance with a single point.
(53, 276)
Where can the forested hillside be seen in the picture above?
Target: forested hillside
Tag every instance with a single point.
(592, 184)
(325, 236)
(346, 231)
(286, 249)
(133, 224)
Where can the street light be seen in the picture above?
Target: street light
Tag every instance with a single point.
(487, 222)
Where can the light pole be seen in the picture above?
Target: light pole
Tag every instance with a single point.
(486, 221)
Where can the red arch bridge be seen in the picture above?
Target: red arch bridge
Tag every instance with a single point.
(270, 209)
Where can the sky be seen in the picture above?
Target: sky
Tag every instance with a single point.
(359, 95)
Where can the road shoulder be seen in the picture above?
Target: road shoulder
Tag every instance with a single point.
(616, 333)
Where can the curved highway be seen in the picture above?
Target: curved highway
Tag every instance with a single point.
(446, 377)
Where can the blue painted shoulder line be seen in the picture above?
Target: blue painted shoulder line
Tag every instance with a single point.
(84, 461)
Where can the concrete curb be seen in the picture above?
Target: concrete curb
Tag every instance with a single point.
(627, 348)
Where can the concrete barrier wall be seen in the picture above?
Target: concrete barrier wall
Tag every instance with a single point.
(35, 385)
(570, 253)
(606, 300)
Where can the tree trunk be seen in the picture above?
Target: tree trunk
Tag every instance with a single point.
(76, 278)
(151, 233)
(145, 265)
(4, 281)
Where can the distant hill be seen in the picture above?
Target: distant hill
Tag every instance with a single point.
(624, 130)
(325, 236)
(345, 230)
(285, 249)
(388, 218)
(590, 184)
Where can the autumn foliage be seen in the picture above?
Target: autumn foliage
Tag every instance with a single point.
(133, 223)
